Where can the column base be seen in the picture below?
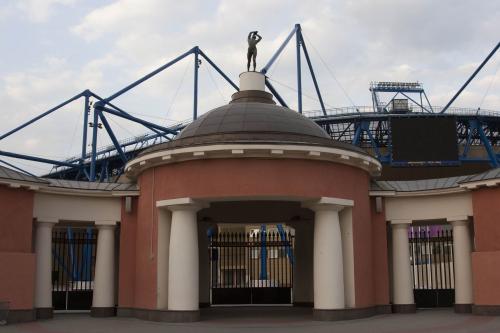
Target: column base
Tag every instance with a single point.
(19, 316)
(44, 313)
(486, 310)
(102, 312)
(160, 315)
(348, 313)
(404, 308)
(463, 308)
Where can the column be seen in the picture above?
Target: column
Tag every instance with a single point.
(348, 256)
(164, 223)
(43, 275)
(462, 262)
(183, 268)
(328, 269)
(403, 301)
(103, 301)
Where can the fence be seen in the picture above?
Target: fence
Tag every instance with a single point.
(431, 257)
(73, 253)
(251, 268)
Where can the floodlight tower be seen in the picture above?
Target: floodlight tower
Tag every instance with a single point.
(399, 88)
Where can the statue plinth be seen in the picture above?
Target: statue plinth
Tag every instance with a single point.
(252, 81)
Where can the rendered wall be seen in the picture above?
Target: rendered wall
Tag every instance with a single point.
(380, 255)
(127, 256)
(17, 262)
(486, 258)
(237, 178)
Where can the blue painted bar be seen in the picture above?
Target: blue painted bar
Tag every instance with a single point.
(113, 137)
(42, 115)
(309, 64)
(278, 52)
(299, 69)
(150, 75)
(471, 77)
(218, 70)
(37, 159)
(195, 92)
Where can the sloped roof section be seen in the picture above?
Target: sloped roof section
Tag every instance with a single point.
(10, 174)
(93, 186)
(487, 175)
(418, 185)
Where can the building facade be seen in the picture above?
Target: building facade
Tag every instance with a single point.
(151, 247)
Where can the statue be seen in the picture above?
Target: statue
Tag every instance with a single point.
(253, 39)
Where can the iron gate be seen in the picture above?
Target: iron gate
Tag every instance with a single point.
(431, 257)
(73, 264)
(251, 268)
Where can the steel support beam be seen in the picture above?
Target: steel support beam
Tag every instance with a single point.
(471, 77)
(113, 137)
(299, 70)
(218, 70)
(93, 155)
(195, 91)
(265, 69)
(74, 98)
(37, 159)
(150, 75)
(275, 93)
(135, 119)
(309, 64)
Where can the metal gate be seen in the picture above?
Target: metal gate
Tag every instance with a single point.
(251, 268)
(73, 264)
(431, 257)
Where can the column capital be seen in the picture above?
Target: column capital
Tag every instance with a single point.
(181, 204)
(46, 221)
(456, 219)
(104, 226)
(328, 203)
(400, 222)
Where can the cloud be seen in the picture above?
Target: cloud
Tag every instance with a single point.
(110, 45)
(41, 10)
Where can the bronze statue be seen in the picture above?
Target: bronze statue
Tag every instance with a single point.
(253, 39)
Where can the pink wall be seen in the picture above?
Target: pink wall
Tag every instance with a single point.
(146, 240)
(486, 208)
(252, 177)
(17, 279)
(126, 284)
(380, 255)
(17, 262)
(486, 258)
(16, 219)
(486, 277)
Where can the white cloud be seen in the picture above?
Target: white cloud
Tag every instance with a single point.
(41, 10)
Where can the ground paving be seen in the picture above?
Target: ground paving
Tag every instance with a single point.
(267, 321)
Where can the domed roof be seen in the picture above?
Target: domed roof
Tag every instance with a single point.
(252, 117)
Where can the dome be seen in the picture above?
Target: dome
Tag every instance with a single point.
(242, 119)
(253, 117)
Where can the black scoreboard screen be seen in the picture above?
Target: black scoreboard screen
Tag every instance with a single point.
(424, 139)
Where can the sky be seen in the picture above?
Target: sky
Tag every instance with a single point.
(52, 50)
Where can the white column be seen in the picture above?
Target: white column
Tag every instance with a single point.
(348, 256)
(328, 264)
(462, 263)
(402, 279)
(104, 278)
(183, 266)
(164, 223)
(43, 275)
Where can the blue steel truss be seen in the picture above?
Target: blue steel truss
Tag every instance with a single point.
(369, 128)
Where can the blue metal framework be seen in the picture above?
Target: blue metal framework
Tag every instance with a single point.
(369, 129)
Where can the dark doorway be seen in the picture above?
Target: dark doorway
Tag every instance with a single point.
(253, 267)
(73, 265)
(431, 257)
